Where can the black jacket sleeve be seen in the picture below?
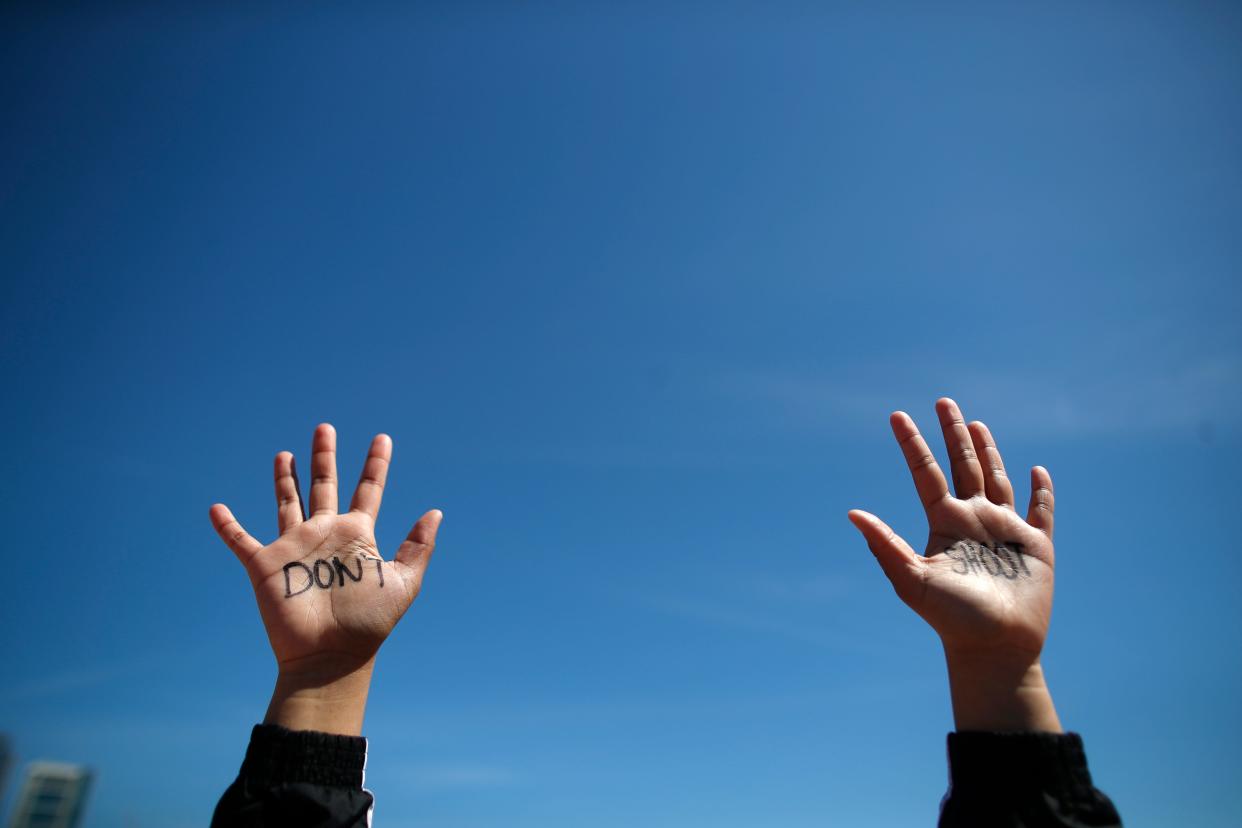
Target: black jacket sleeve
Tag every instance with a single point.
(1022, 780)
(297, 778)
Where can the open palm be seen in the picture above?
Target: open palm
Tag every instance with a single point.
(323, 588)
(985, 580)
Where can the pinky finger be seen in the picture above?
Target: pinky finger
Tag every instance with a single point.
(1043, 503)
(244, 546)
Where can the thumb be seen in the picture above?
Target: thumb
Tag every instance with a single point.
(900, 563)
(416, 550)
(235, 537)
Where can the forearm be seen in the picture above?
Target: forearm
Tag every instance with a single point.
(1010, 763)
(329, 696)
(1000, 693)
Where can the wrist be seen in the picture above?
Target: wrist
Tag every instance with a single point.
(327, 694)
(1000, 692)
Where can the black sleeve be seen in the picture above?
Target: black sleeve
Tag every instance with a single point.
(1022, 780)
(297, 778)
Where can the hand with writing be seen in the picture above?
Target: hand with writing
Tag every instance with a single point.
(984, 583)
(327, 597)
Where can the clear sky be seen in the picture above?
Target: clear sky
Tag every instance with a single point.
(634, 293)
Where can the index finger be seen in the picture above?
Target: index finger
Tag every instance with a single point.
(928, 478)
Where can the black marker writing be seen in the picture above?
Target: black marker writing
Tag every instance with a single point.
(310, 581)
(1001, 560)
(326, 574)
(342, 570)
(320, 582)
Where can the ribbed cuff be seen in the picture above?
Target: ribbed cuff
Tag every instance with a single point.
(1051, 762)
(279, 756)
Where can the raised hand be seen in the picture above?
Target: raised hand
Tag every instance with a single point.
(985, 581)
(327, 597)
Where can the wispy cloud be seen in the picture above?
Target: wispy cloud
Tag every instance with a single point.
(805, 607)
(811, 589)
(721, 614)
(1100, 393)
(619, 455)
(454, 776)
(55, 684)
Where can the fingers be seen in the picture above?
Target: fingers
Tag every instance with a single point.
(323, 471)
(288, 493)
(370, 489)
(963, 462)
(234, 536)
(928, 479)
(416, 550)
(1040, 511)
(995, 480)
(896, 558)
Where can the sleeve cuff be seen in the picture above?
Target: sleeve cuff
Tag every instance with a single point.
(1051, 762)
(278, 756)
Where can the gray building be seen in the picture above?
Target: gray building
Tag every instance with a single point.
(53, 796)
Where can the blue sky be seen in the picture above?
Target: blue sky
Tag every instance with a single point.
(634, 292)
